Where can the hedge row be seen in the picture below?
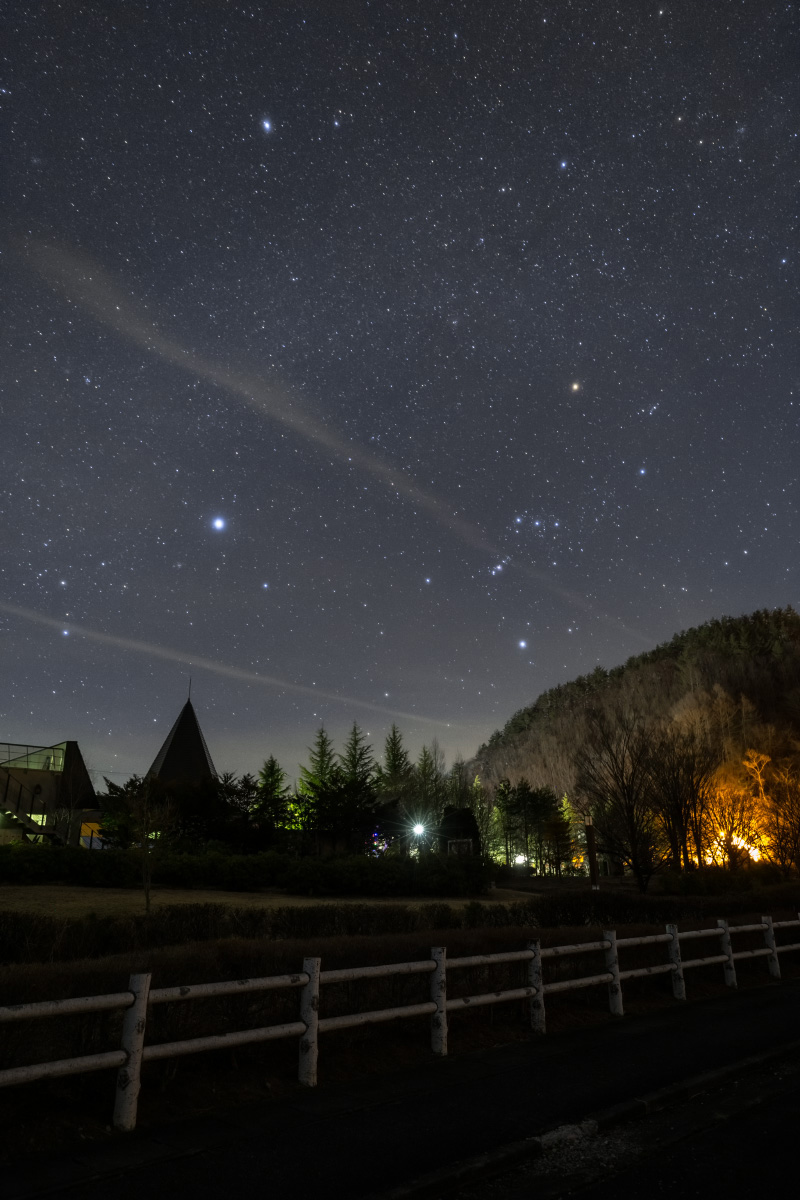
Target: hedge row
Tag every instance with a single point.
(31, 937)
(432, 875)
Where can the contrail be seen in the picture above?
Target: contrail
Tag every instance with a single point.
(208, 664)
(85, 282)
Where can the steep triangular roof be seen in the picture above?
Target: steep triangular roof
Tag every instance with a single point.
(184, 754)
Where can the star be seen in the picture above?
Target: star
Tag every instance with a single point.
(218, 523)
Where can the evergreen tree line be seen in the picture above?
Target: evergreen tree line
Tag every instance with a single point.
(345, 801)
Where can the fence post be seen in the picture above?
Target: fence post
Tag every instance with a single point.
(538, 1024)
(769, 939)
(678, 981)
(129, 1076)
(729, 967)
(309, 1015)
(612, 966)
(439, 998)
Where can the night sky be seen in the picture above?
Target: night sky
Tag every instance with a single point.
(385, 361)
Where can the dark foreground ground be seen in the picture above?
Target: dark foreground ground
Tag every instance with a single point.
(734, 1136)
(373, 1136)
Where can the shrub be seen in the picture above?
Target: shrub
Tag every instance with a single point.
(433, 875)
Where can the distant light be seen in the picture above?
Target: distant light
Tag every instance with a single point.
(266, 585)
(563, 164)
(520, 858)
(575, 387)
(642, 471)
(523, 645)
(419, 829)
(65, 632)
(266, 126)
(218, 523)
(427, 580)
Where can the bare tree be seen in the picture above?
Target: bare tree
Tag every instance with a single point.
(781, 814)
(614, 784)
(681, 768)
(142, 815)
(734, 833)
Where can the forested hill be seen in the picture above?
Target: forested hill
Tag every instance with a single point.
(735, 676)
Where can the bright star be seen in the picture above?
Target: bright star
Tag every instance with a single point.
(218, 523)
(523, 645)
(575, 387)
(266, 126)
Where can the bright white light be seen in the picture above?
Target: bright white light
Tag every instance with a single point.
(418, 829)
(519, 859)
(266, 126)
(65, 632)
(218, 523)
(523, 645)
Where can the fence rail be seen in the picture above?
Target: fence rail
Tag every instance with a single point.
(134, 1003)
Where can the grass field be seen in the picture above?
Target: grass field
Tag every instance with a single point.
(57, 899)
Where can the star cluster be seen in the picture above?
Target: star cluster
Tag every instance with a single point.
(386, 362)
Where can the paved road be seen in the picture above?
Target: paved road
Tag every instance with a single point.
(360, 1139)
(749, 1155)
(733, 1136)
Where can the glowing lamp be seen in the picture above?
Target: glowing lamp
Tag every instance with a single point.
(419, 829)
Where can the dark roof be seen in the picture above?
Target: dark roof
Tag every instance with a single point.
(184, 754)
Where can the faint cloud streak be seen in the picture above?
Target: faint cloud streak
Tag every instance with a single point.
(85, 282)
(152, 650)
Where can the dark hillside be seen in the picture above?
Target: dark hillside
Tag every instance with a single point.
(732, 674)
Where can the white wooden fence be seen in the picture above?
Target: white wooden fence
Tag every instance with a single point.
(133, 1051)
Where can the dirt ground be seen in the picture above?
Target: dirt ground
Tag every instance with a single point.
(69, 901)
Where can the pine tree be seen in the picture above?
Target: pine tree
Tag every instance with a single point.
(396, 762)
(273, 794)
(394, 775)
(356, 763)
(321, 765)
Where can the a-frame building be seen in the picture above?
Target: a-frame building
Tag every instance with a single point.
(184, 757)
